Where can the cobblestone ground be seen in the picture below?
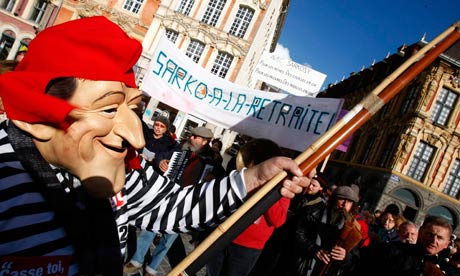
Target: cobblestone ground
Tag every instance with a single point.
(164, 266)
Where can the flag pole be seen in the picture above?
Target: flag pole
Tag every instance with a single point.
(316, 152)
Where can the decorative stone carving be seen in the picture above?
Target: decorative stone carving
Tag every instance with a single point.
(261, 3)
(89, 8)
(455, 80)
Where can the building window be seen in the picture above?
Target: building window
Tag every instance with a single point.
(453, 181)
(421, 161)
(407, 196)
(194, 50)
(133, 5)
(409, 100)
(387, 150)
(442, 211)
(171, 35)
(241, 23)
(39, 11)
(7, 5)
(222, 64)
(444, 106)
(6, 43)
(213, 11)
(185, 6)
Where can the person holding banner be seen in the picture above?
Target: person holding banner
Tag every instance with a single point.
(67, 198)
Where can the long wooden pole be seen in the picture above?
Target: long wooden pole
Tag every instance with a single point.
(311, 157)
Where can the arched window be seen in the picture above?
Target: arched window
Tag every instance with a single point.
(407, 196)
(444, 212)
(6, 42)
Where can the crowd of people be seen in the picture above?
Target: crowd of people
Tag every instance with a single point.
(89, 189)
(322, 231)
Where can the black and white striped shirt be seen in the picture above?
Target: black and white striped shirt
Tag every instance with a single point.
(28, 226)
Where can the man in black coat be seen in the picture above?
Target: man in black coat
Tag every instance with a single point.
(429, 256)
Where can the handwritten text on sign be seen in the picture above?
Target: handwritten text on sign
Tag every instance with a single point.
(292, 121)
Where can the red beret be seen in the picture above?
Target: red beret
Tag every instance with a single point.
(91, 48)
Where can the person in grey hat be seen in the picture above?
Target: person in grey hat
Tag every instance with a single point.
(317, 232)
(196, 171)
(348, 193)
(202, 132)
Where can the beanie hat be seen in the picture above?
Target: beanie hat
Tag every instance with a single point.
(321, 180)
(162, 119)
(203, 132)
(92, 48)
(347, 192)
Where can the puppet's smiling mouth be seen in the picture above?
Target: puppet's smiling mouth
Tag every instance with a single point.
(117, 149)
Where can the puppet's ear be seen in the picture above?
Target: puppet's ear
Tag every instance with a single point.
(38, 131)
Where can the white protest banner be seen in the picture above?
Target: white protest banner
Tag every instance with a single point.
(292, 121)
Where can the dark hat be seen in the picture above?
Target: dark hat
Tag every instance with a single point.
(321, 180)
(203, 132)
(162, 119)
(348, 192)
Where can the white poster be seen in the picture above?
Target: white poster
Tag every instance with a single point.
(288, 75)
(292, 121)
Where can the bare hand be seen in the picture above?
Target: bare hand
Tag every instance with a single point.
(263, 172)
(163, 165)
(338, 253)
(323, 256)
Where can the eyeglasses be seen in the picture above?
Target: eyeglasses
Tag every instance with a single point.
(160, 125)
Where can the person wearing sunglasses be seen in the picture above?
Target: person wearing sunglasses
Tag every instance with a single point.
(159, 145)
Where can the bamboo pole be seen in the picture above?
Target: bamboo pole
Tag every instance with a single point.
(314, 154)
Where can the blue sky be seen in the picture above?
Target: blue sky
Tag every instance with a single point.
(337, 37)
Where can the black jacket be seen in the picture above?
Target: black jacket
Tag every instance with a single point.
(402, 259)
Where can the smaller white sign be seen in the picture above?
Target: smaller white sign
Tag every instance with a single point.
(288, 75)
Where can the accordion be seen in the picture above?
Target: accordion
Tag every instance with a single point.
(187, 168)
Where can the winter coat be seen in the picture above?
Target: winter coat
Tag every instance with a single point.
(402, 259)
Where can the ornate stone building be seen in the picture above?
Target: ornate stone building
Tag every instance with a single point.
(20, 20)
(224, 37)
(408, 154)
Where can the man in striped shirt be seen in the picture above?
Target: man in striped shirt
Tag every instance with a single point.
(64, 151)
